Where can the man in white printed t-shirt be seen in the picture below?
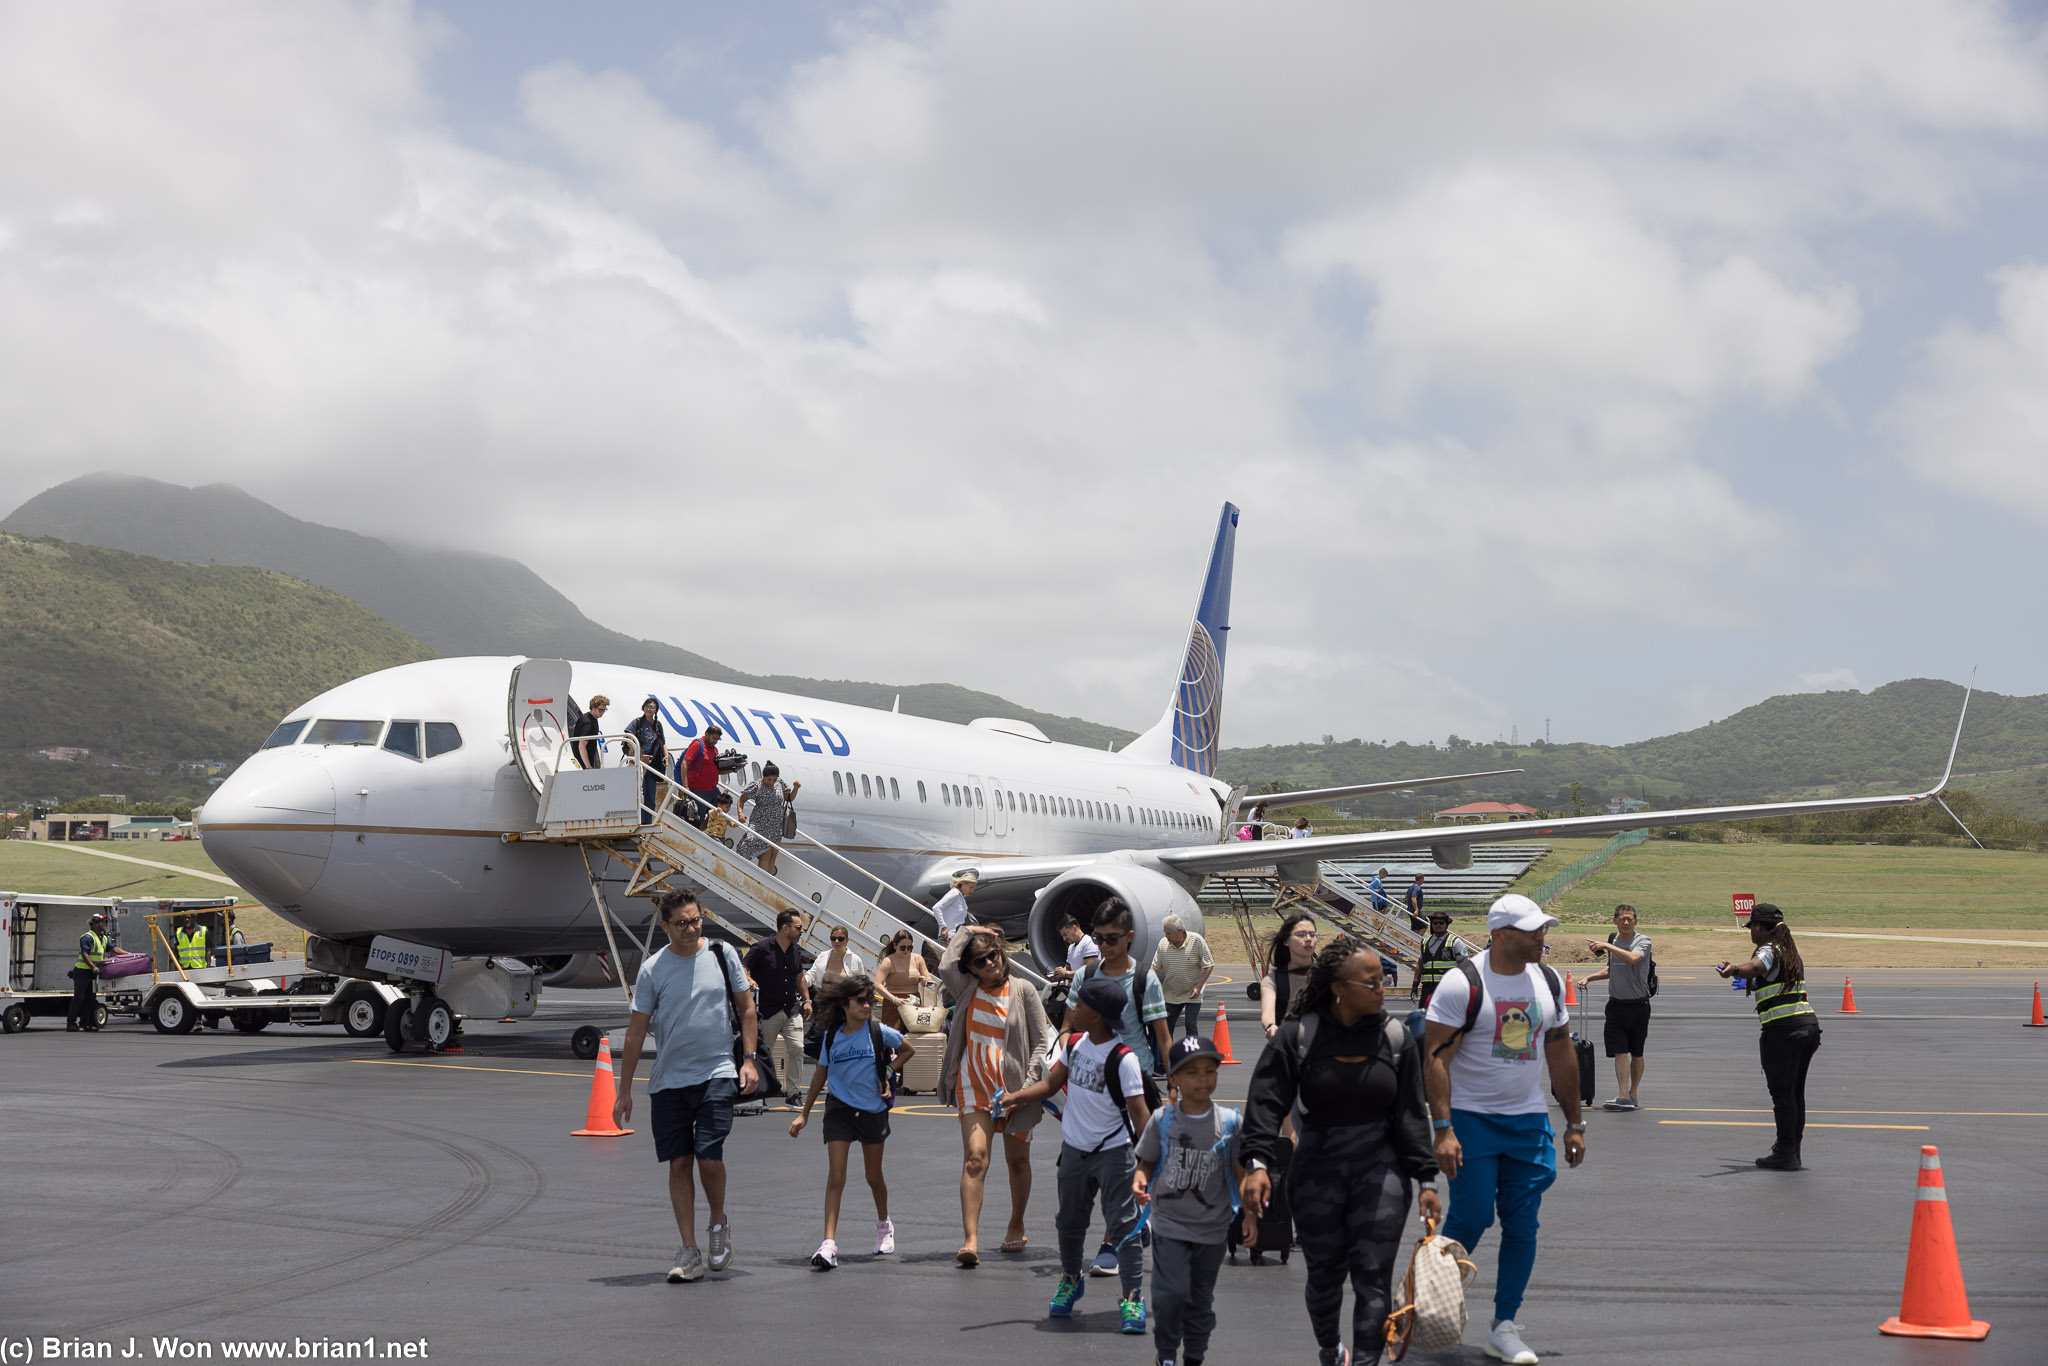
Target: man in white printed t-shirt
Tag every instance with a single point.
(1493, 1136)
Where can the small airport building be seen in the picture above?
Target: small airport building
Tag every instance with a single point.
(89, 825)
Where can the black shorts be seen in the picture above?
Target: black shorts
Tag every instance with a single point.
(692, 1121)
(1628, 1027)
(844, 1124)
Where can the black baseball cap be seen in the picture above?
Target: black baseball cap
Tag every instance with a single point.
(1766, 915)
(1185, 1051)
(1105, 998)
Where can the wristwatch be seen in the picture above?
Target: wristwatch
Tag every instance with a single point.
(1577, 1128)
(754, 1056)
(1441, 1123)
(1257, 1164)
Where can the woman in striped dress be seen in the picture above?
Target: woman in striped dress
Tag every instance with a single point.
(995, 1044)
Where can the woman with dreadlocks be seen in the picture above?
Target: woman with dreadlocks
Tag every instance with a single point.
(1776, 978)
(1352, 1075)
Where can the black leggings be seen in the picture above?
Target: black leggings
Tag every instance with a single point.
(1349, 1214)
(1787, 1051)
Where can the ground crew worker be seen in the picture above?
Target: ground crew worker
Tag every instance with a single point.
(1776, 977)
(1440, 953)
(92, 951)
(191, 943)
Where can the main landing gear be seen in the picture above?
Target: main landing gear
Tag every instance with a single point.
(423, 1020)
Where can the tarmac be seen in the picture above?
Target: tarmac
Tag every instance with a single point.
(301, 1187)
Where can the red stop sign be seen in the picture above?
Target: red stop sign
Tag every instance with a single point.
(1745, 902)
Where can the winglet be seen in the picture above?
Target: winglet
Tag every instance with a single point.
(1956, 743)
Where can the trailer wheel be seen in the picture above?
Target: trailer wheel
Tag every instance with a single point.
(100, 1015)
(394, 1025)
(173, 1014)
(583, 1043)
(249, 1021)
(14, 1019)
(362, 1015)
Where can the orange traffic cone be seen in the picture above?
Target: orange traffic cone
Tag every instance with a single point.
(1933, 1304)
(1222, 1034)
(604, 1094)
(2038, 1022)
(1848, 999)
(1571, 994)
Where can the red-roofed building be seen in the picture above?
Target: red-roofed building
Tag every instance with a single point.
(1489, 811)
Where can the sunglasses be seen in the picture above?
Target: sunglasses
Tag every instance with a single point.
(984, 959)
(839, 939)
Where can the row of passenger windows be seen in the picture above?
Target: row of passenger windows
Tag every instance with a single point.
(413, 739)
(876, 788)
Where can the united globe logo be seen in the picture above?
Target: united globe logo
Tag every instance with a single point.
(1198, 704)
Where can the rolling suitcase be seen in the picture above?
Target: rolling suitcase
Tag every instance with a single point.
(1583, 1047)
(1276, 1225)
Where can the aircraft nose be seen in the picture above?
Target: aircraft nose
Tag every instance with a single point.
(270, 825)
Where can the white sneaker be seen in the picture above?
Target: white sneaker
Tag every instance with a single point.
(689, 1266)
(721, 1245)
(1505, 1343)
(885, 1237)
(827, 1255)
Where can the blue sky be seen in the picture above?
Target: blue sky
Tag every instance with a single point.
(1615, 365)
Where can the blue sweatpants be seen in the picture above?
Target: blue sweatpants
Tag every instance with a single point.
(1509, 1161)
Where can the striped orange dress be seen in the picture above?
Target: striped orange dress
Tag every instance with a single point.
(981, 1066)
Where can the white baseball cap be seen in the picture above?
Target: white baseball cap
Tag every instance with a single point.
(1517, 912)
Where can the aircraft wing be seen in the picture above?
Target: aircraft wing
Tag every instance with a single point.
(1314, 795)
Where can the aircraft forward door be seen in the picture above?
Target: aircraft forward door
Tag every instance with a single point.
(998, 814)
(538, 709)
(977, 797)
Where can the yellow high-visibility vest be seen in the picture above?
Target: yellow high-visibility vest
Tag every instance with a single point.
(192, 948)
(92, 947)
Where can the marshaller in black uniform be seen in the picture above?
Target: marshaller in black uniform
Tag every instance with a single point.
(1352, 1075)
(1776, 977)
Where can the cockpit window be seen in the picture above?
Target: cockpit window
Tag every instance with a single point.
(404, 738)
(286, 733)
(442, 738)
(325, 732)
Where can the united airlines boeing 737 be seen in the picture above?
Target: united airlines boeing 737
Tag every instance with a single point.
(393, 805)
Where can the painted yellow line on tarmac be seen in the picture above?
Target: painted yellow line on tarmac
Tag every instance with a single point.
(1772, 1124)
(471, 1067)
(1925, 1114)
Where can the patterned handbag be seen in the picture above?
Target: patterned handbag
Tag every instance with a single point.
(1432, 1309)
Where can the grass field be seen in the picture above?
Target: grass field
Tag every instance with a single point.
(33, 866)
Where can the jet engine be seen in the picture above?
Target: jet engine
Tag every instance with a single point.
(584, 970)
(1151, 895)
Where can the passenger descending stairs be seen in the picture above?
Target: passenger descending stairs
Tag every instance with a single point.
(672, 854)
(1347, 907)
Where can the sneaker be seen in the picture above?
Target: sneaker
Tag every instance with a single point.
(1066, 1295)
(1618, 1103)
(689, 1266)
(1131, 1309)
(1340, 1355)
(1105, 1261)
(827, 1255)
(721, 1245)
(885, 1237)
(1629, 1103)
(1505, 1343)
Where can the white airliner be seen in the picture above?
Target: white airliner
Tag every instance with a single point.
(381, 807)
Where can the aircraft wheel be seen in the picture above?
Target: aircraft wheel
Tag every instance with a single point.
(583, 1043)
(14, 1019)
(440, 1024)
(362, 1015)
(1251, 991)
(394, 1025)
(173, 1014)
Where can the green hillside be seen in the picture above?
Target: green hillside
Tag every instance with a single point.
(144, 661)
(1803, 744)
(456, 601)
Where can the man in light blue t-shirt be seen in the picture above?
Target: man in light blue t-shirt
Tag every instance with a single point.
(690, 993)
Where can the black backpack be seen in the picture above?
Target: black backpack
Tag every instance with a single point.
(764, 1066)
(1113, 1067)
(881, 1060)
(1140, 979)
(1613, 939)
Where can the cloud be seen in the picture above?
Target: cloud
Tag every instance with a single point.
(1976, 419)
(935, 357)
(1829, 680)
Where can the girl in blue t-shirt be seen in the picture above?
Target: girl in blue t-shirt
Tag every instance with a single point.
(857, 1100)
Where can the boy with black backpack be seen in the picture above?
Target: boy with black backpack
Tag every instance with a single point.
(1106, 1111)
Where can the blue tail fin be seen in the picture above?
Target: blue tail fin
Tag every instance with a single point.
(1187, 734)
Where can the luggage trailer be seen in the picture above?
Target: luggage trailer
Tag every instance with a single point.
(242, 984)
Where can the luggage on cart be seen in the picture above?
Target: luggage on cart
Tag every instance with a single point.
(244, 953)
(125, 964)
(1276, 1225)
